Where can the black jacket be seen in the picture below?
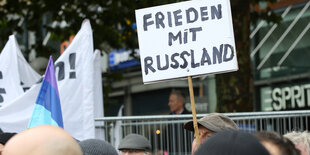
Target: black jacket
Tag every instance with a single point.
(183, 112)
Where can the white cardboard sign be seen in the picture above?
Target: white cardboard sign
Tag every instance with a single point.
(183, 39)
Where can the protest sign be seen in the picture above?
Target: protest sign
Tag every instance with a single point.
(186, 39)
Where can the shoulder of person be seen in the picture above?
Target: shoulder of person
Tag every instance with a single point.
(186, 112)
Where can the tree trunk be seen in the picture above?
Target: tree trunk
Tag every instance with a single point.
(235, 90)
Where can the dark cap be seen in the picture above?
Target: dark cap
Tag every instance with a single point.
(5, 137)
(232, 143)
(97, 146)
(215, 122)
(135, 141)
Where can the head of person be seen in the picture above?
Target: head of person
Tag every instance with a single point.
(134, 144)
(276, 144)
(232, 143)
(97, 146)
(42, 140)
(301, 141)
(210, 124)
(176, 102)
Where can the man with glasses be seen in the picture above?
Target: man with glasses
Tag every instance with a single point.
(134, 144)
(210, 124)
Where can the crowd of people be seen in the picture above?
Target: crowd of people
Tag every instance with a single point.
(218, 135)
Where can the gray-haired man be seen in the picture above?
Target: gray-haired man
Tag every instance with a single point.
(210, 124)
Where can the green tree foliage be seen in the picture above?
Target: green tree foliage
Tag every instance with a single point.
(111, 22)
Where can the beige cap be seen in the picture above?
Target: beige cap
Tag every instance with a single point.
(215, 122)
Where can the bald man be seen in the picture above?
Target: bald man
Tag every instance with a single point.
(42, 140)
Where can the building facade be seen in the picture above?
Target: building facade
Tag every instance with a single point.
(280, 54)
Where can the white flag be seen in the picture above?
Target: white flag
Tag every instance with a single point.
(118, 128)
(16, 75)
(98, 103)
(75, 75)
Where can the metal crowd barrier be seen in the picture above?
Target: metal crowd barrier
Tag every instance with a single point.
(166, 132)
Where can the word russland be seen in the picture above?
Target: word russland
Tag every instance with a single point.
(224, 53)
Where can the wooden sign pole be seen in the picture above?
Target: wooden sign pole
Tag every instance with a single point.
(191, 93)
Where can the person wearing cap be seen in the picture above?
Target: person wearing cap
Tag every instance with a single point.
(210, 124)
(96, 147)
(134, 144)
